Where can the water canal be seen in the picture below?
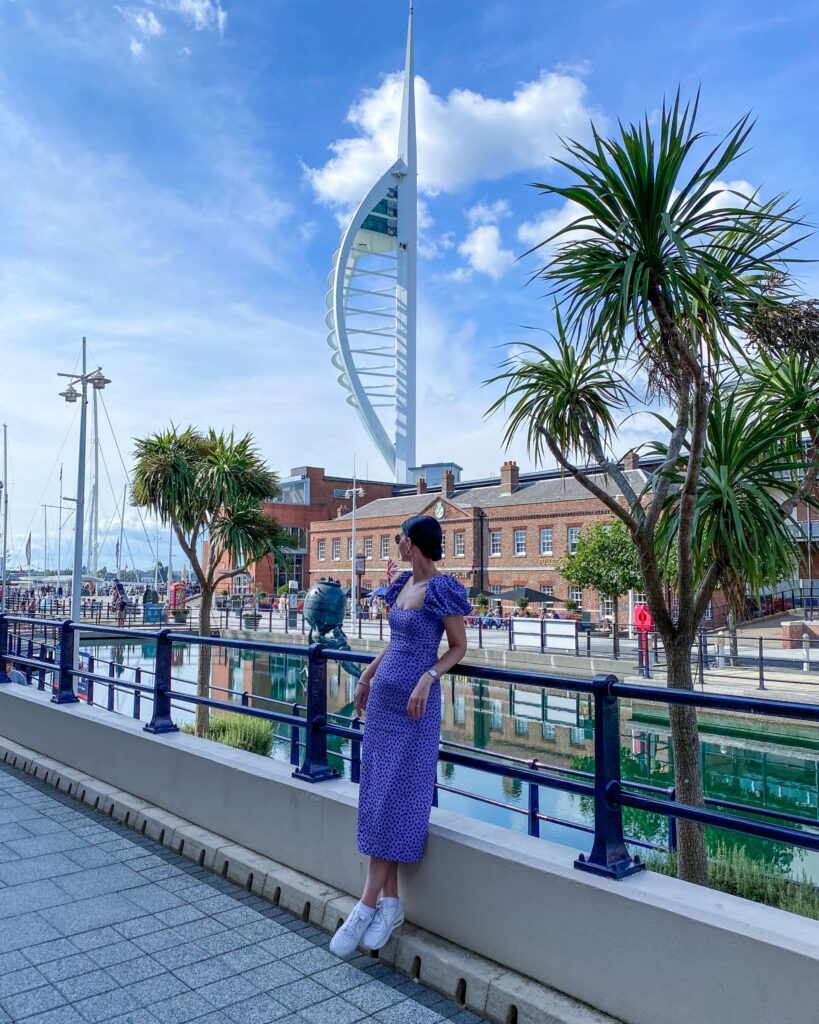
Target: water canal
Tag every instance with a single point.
(766, 763)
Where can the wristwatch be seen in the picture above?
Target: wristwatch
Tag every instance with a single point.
(433, 672)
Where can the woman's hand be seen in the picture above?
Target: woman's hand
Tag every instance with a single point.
(362, 693)
(417, 703)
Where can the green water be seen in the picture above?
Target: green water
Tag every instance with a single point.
(774, 767)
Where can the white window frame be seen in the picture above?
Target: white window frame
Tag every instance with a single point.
(460, 544)
(548, 590)
(606, 606)
(443, 545)
(385, 548)
(576, 594)
(336, 549)
(547, 533)
(495, 588)
(368, 547)
(349, 549)
(519, 552)
(493, 536)
(321, 550)
(572, 538)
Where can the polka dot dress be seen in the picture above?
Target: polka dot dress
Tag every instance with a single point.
(399, 757)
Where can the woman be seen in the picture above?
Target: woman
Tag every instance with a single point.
(401, 692)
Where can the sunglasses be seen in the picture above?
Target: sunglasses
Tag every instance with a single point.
(398, 538)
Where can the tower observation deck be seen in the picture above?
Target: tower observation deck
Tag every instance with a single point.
(372, 298)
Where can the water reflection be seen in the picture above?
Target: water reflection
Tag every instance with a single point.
(773, 767)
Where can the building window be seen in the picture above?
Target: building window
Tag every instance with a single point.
(577, 736)
(336, 549)
(320, 550)
(521, 727)
(460, 709)
(520, 543)
(496, 714)
(349, 549)
(339, 492)
(549, 731)
(368, 547)
(546, 540)
(460, 545)
(495, 542)
(495, 588)
(548, 590)
(385, 547)
(606, 607)
(576, 594)
(443, 545)
(572, 537)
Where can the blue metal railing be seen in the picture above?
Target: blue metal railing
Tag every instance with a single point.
(49, 651)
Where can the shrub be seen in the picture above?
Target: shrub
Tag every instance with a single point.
(733, 871)
(240, 731)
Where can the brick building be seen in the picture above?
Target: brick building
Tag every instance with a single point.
(308, 496)
(498, 534)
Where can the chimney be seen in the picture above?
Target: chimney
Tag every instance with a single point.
(421, 486)
(631, 460)
(510, 477)
(447, 483)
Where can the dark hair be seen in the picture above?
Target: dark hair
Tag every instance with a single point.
(425, 534)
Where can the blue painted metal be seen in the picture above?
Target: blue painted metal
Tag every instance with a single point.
(609, 855)
(161, 721)
(63, 692)
(315, 767)
(110, 694)
(355, 754)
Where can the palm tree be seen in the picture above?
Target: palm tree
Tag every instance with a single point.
(209, 487)
(655, 278)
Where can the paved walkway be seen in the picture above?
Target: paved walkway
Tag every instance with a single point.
(99, 924)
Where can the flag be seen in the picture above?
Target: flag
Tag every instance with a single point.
(391, 568)
(28, 550)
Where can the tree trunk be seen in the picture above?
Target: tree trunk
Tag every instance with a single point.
(615, 627)
(203, 670)
(692, 864)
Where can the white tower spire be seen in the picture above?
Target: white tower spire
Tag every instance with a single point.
(372, 297)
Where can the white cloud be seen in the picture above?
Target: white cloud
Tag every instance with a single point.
(201, 14)
(462, 138)
(145, 22)
(484, 250)
(136, 47)
(489, 213)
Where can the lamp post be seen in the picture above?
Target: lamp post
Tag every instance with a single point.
(97, 381)
(354, 493)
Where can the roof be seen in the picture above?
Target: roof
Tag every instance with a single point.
(541, 489)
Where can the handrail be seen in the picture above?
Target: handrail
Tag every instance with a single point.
(609, 856)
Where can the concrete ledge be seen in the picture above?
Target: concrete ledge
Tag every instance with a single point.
(502, 920)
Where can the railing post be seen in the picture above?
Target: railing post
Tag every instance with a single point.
(161, 720)
(355, 753)
(4, 649)
(609, 855)
(63, 692)
(534, 810)
(110, 696)
(510, 622)
(89, 689)
(480, 633)
(701, 658)
(314, 767)
(380, 626)
(588, 644)
(294, 738)
(41, 672)
(761, 666)
(29, 654)
(137, 694)
(576, 639)
(672, 823)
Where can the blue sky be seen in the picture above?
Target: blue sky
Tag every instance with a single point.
(174, 174)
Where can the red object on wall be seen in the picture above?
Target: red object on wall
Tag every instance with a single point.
(177, 596)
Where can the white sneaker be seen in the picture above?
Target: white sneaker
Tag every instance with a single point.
(346, 939)
(387, 917)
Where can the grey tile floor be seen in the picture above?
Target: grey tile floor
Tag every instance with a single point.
(99, 924)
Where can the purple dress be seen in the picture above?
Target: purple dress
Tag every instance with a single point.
(400, 756)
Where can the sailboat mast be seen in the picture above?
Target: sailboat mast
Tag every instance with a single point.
(121, 530)
(95, 518)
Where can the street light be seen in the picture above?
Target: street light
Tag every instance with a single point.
(98, 381)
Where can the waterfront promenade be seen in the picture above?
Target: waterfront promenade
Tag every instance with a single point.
(101, 924)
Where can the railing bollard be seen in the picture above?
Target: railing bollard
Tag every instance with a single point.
(588, 644)
(314, 767)
(161, 720)
(294, 739)
(137, 694)
(761, 666)
(577, 639)
(672, 823)
(480, 634)
(89, 690)
(380, 626)
(355, 753)
(245, 701)
(29, 654)
(110, 696)
(641, 668)
(510, 626)
(534, 810)
(41, 673)
(701, 658)
(609, 855)
(63, 692)
(4, 649)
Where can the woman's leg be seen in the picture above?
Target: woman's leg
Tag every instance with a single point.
(390, 889)
(378, 875)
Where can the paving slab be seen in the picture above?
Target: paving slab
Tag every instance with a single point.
(102, 924)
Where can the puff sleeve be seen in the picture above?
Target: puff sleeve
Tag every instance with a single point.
(446, 596)
(395, 588)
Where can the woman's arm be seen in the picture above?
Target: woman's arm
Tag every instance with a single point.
(456, 638)
(362, 691)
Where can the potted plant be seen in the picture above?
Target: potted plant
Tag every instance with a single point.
(263, 599)
(523, 604)
(251, 618)
(571, 607)
(482, 603)
(180, 615)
